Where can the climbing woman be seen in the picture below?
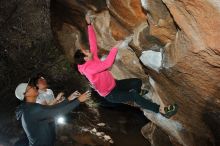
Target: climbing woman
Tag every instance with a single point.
(115, 91)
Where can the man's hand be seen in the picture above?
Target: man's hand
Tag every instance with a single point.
(85, 96)
(74, 95)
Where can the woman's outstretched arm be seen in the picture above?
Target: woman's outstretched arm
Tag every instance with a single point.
(92, 38)
(106, 64)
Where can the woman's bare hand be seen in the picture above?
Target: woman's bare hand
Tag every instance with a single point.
(59, 96)
(88, 19)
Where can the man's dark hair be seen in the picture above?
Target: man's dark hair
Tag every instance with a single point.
(79, 57)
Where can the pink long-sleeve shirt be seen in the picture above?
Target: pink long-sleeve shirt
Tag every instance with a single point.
(95, 70)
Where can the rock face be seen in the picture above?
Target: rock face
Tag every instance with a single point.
(155, 135)
(184, 33)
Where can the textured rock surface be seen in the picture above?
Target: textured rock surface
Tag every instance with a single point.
(186, 32)
(195, 19)
(187, 35)
(161, 23)
(129, 13)
(155, 135)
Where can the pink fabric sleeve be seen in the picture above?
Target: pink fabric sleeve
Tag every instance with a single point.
(92, 41)
(107, 63)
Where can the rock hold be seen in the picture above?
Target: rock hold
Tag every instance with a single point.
(151, 59)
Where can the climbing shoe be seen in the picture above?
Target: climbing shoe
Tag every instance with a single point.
(170, 110)
(143, 92)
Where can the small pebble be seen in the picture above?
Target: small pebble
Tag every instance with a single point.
(93, 130)
(101, 124)
(107, 138)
